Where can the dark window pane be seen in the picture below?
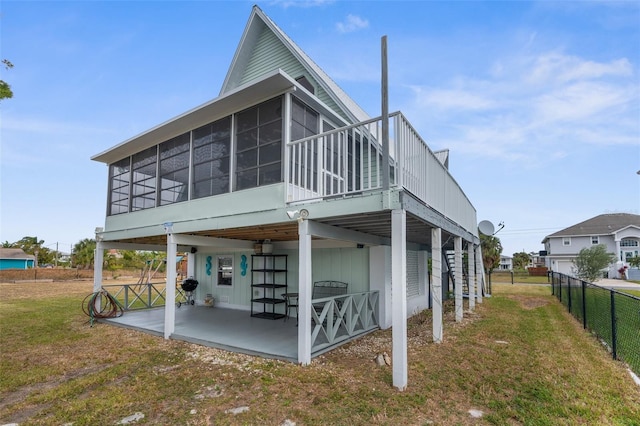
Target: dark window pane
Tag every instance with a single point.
(258, 145)
(247, 140)
(270, 174)
(247, 119)
(270, 153)
(247, 179)
(247, 160)
(211, 160)
(271, 132)
(270, 111)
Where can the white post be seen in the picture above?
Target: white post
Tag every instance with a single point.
(191, 265)
(479, 274)
(170, 301)
(304, 293)
(380, 279)
(399, 297)
(472, 291)
(436, 283)
(472, 277)
(98, 260)
(457, 246)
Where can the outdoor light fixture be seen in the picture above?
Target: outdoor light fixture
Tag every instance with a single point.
(168, 227)
(98, 232)
(300, 215)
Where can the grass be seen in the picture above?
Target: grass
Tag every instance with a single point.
(520, 358)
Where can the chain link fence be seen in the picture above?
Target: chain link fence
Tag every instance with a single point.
(613, 316)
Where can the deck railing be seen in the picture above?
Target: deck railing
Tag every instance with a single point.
(142, 296)
(349, 160)
(340, 318)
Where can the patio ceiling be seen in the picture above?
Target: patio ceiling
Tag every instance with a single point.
(378, 224)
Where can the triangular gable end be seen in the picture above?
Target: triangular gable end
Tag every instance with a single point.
(264, 48)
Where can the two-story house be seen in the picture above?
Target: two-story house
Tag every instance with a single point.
(619, 232)
(281, 182)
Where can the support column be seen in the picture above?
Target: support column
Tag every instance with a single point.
(380, 279)
(399, 297)
(304, 293)
(191, 265)
(170, 301)
(98, 260)
(457, 246)
(472, 276)
(436, 283)
(480, 284)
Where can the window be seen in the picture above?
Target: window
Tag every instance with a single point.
(119, 182)
(304, 123)
(595, 240)
(212, 158)
(143, 188)
(628, 242)
(259, 145)
(304, 82)
(566, 241)
(225, 270)
(174, 170)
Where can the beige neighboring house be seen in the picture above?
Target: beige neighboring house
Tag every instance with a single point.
(619, 232)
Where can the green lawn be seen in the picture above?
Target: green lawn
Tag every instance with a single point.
(520, 358)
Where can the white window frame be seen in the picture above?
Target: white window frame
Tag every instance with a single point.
(595, 239)
(566, 241)
(218, 270)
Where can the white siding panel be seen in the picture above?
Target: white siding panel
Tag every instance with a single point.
(413, 278)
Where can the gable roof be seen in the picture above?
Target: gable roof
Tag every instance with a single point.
(264, 47)
(15, 254)
(604, 224)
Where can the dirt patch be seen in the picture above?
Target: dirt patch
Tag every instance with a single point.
(530, 302)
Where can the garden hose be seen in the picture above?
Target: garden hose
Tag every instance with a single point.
(101, 305)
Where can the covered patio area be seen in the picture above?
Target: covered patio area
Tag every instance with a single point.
(229, 329)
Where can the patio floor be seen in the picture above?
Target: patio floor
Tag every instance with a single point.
(229, 329)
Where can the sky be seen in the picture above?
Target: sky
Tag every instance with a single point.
(538, 102)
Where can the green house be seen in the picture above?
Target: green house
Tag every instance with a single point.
(283, 182)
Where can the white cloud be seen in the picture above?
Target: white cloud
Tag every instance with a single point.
(555, 67)
(532, 109)
(352, 23)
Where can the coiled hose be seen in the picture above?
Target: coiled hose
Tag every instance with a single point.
(101, 305)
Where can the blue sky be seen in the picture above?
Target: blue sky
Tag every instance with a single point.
(538, 102)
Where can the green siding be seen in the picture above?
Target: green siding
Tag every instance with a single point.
(350, 265)
(270, 54)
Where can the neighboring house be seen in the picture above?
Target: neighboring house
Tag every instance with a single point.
(285, 162)
(619, 232)
(15, 258)
(506, 263)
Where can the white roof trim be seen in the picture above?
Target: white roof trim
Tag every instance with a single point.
(349, 106)
(268, 86)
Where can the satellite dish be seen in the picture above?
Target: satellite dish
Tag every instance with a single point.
(486, 227)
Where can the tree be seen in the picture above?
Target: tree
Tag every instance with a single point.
(5, 89)
(491, 250)
(591, 261)
(521, 260)
(83, 253)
